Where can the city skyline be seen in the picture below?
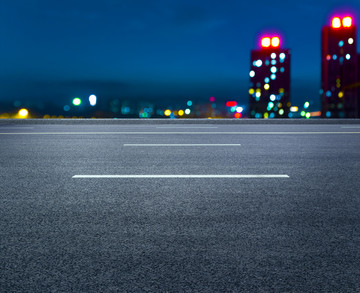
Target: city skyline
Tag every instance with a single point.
(163, 49)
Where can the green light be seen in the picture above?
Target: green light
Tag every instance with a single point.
(303, 113)
(233, 109)
(308, 115)
(306, 105)
(76, 102)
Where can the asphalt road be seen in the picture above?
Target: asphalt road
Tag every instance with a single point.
(298, 232)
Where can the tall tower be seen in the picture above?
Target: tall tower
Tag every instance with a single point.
(270, 80)
(339, 69)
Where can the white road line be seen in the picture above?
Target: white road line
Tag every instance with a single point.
(350, 126)
(180, 176)
(177, 144)
(181, 132)
(186, 127)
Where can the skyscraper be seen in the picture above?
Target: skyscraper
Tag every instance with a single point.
(270, 80)
(339, 69)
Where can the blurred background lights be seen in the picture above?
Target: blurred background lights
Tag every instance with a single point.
(294, 109)
(239, 109)
(273, 55)
(275, 42)
(258, 63)
(76, 101)
(92, 100)
(23, 113)
(252, 73)
(351, 41)
(341, 43)
(308, 115)
(167, 112)
(187, 111)
(272, 97)
(189, 103)
(306, 105)
(273, 69)
(181, 112)
(212, 99)
(347, 21)
(66, 108)
(281, 111)
(336, 22)
(282, 55)
(347, 56)
(265, 42)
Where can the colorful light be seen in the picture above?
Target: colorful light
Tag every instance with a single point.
(212, 99)
(237, 115)
(181, 112)
(231, 103)
(347, 21)
(265, 42)
(351, 41)
(306, 105)
(23, 113)
(76, 102)
(336, 22)
(167, 112)
(92, 100)
(187, 111)
(275, 42)
(294, 109)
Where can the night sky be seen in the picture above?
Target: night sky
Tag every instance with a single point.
(160, 49)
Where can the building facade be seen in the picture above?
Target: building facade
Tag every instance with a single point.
(269, 93)
(339, 69)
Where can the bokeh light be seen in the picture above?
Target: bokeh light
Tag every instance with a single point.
(347, 21)
(336, 22)
(23, 113)
(275, 42)
(167, 112)
(265, 42)
(76, 102)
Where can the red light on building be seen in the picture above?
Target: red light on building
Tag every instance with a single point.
(231, 104)
(275, 42)
(237, 115)
(347, 21)
(265, 42)
(336, 22)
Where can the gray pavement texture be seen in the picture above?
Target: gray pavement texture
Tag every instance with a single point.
(296, 234)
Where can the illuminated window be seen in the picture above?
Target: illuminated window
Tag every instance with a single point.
(273, 62)
(273, 69)
(252, 73)
(273, 55)
(273, 76)
(282, 55)
(341, 43)
(275, 42)
(282, 69)
(348, 56)
(258, 63)
(347, 21)
(265, 42)
(336, 22)
(267, 62)
(351, 41)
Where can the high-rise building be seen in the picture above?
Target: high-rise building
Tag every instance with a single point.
(339, 69)
(270, 80)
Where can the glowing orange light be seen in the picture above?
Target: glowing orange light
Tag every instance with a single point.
(265, 42)
(275, 42)
(237, 115)
(347, 21)
(336, 22)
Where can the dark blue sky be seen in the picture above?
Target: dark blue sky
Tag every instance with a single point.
(162, 48)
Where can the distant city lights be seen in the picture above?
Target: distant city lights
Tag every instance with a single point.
(92, 100)
(187, 111)
(167, 112)
(23, 113)
(76, 102)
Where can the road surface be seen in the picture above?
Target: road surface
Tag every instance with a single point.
(179, 207)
